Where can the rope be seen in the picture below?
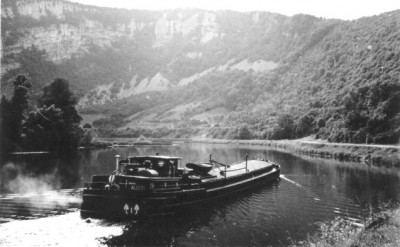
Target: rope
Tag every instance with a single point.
(197, 161)
(240, 160)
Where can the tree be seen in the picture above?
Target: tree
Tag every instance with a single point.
(13, 114)
(6, 144)
(285, 128)
(244, 132)
(88, 136)
(305, 124)
(43, 129)
(55, 124)
(87, 126)
(58, 93)
(19, 104)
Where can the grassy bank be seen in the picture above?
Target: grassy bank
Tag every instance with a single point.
(378, 155)
(382, 230)
(113, 142)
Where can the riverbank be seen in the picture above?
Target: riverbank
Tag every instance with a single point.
(383, 229)
(377, 155)
(125, 142)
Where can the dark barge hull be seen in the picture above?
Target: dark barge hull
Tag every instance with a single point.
(122, 204)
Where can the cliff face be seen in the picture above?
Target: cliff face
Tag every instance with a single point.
(283, 77)
(64, 28)
(58, 27)
(153, 50)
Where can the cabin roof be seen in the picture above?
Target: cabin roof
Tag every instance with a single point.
(161, 157)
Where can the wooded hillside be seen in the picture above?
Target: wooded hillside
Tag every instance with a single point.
(336, 79)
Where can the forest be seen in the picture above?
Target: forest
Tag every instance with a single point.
(51, 123)
(335, 80)
(344, 87)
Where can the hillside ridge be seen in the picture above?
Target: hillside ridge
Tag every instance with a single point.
(167, 72)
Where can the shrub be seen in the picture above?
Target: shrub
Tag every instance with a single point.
(244, 132)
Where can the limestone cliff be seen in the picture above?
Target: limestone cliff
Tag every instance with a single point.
(109, 54)
(283, 77)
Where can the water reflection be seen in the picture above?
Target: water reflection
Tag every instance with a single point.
(221, 222)
(311, 190)
(21, 174)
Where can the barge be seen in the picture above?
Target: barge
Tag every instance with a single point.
(159, 185)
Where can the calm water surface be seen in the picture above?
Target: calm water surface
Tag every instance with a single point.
(310, 191)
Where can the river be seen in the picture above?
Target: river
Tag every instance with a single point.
(45, 189)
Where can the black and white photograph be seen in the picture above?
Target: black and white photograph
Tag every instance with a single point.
(200, 123)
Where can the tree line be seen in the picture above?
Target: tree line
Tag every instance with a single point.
(52, 123)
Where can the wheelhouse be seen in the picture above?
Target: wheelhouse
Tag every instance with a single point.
(151, 166)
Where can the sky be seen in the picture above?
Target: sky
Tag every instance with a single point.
(339, 9)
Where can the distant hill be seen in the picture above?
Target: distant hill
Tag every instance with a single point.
(222, 74)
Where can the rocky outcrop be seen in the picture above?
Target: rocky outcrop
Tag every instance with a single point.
(110, 54)
(53, 26)
(64, 28)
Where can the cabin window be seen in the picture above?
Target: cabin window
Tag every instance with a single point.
(180, 164)
(160, 163)
(148, 164)
(134, 162)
